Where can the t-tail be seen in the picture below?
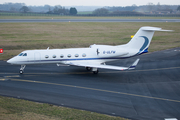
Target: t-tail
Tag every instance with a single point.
(142, 39)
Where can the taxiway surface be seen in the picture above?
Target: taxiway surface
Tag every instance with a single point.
(151, 91)
(86, 20)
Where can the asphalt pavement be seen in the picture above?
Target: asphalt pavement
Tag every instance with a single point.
(85, 20)
(150, 92)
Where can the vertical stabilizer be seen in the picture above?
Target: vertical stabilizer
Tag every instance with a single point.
(142, 39)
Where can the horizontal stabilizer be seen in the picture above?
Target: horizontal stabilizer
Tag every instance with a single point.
(155, 29)
(133, 66)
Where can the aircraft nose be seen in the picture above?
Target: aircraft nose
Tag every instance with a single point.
(12, 60)
(9, 61)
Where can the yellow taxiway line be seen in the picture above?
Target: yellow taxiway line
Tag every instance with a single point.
(87, 88)
(101, 90)
(2, 79)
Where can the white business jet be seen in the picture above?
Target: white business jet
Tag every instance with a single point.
(91, 58)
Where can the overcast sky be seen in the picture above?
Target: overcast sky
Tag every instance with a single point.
(92, 2)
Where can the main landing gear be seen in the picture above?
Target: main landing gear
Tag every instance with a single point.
(94, 70)
(22, 69)
(88, 68)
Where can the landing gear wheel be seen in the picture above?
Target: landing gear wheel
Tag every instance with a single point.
(22, 69)
(21, 72)
(88, 68)
(96, 72)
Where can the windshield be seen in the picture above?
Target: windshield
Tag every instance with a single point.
(22, 54)
(25, 54)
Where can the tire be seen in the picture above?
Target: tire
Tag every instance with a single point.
(96, 72)
(88, 68)
(21, 72)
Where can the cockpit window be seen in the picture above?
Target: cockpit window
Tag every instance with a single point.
(20, 54)
(25, 54)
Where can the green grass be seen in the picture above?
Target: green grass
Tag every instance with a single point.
(15, 109)
(16, 37)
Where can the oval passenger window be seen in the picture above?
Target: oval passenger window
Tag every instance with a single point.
(46, 56)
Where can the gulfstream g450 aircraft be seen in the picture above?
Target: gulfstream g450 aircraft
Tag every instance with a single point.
(91, 58)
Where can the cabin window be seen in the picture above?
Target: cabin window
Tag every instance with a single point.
(69, 55)
(54, 56)
(61, 56)
(25, 54)
(46, 56)
(76, 55)
(84, 55)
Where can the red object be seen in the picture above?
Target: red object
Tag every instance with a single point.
(1, 50)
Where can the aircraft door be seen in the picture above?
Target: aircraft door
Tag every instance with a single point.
(37, 57)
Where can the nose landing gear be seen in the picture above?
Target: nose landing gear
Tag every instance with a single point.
(22, 69)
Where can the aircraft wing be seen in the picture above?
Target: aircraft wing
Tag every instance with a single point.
(103, 66)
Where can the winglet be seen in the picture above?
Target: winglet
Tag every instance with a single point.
(134, 64)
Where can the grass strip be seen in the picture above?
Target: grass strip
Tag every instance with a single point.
(16, 109)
